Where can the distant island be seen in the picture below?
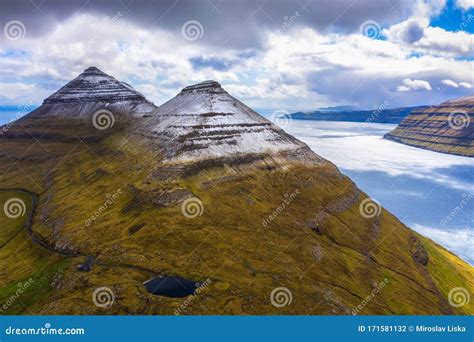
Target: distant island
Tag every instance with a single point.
(344, 113)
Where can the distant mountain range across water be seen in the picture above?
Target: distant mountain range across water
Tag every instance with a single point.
(443, 128)
(348, 113)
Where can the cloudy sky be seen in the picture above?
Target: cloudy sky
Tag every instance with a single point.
(293, 54)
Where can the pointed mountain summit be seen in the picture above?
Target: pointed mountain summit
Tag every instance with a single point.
(204, 121)
(93, 90)
(95, 85)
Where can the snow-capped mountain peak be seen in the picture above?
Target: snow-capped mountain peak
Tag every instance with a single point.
(94, 90)
(204, 121)
(94, 85)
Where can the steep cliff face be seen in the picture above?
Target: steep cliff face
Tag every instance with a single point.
(447, 128)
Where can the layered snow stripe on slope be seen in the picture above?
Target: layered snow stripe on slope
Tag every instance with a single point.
(94, 85)
(204, 121)
(93, 90)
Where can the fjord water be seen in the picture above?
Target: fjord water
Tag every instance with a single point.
(432, 193)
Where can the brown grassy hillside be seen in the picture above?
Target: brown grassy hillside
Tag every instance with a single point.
(263, 225)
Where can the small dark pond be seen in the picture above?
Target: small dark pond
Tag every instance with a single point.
(171, 286)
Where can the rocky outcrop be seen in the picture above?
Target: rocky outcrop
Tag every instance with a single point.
(447, 128)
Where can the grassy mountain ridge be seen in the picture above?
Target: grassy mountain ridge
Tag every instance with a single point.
(317, 245)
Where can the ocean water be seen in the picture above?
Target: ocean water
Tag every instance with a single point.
(432, 193)
(9, 114)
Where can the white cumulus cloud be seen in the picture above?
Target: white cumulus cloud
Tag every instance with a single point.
(408, 84)
(453, 84)
(417, 34)
(465, 4)
(465, 85)
(450, 83)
